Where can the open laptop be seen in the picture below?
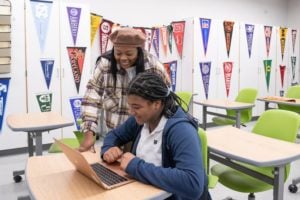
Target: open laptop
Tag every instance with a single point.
(107, 176)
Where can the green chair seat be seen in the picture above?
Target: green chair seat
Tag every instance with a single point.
(72, 142)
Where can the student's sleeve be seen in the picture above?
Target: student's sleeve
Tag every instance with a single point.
(187, 179)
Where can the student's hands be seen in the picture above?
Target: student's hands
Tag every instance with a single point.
(126, 158)
(88, 142)
(112, 154)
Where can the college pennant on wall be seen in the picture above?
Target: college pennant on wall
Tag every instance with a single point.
(227, 67)
(294, 35)
(44, 101)
(104, 32)
(268, 35)
(282, 72)
(267, 68)
(95, 22)
(205, 73)
(170, 37)
(47, 66)
(155, 41)
(74, 18)
(4, 84)
(75, 106)
(228, 30)
(171, 68)
(149, 35)
(164, 39)
(205, 28)
(178, 32)
(41, 11)
(293, 63)
(282, 35)
(249, 36)
(76, 56)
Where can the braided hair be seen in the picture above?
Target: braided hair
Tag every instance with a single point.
(151, 87)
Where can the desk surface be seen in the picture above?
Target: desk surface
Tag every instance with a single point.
(38, 121)
(280, 100)
(224, 104)
(251, 148)
(54, 177)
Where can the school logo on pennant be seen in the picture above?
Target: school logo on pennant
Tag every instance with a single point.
(4, 84)
(205, 72)
(249, 36)
(44, 101)
(205, 28)
(228, 30)
(267, 68)
(76, 57)
(47, 66)
(41, 11)
(75, 106)
(74, 18)
(227, 67)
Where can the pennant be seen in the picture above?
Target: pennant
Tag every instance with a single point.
(164, 39)
(173, 72)
(95, 22)
(282, 35)
(267, 67)
(47, 66)
(227, 67)
(74, 18)
(76, 56)
(249, 36)
(41, 11)
(167, 68)
(294, 35)
(104, 32)
(155, 41)
(268, 35)
(228, 30)
(205, 28)
(282, 72)
(149, 35)
(178, 32)
(75, 106)
(44, 101)
(205, 73)
(293, 62)
(170, 37)
(4, 84)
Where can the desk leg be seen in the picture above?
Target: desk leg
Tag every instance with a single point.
(266, 105)
(238, 118)
(278, 183)
(30, 143)
(38, 144)
(204, 114)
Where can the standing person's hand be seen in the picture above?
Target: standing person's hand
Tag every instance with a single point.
(126, 158)
(88, 142)
(112, 154)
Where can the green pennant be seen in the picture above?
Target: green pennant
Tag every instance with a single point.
(268, 67)
(45, 101)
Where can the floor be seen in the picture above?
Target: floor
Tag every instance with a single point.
(10, 190)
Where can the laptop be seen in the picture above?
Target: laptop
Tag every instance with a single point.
(108, 176)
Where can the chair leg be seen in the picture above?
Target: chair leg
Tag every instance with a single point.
(251, 196)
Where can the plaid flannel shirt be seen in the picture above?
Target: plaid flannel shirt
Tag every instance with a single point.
(100, 93)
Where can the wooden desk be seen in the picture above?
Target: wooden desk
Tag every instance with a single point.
(54, 177)
(278, 100)
(35, 124)
(223, 104)
(229, 144)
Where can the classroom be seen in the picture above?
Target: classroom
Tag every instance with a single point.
(222, 107)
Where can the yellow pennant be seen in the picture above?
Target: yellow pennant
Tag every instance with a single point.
(282, 35)
(95, 22)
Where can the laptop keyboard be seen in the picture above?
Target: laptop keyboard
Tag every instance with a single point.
(107, 176)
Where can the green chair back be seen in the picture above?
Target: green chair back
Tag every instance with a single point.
(212, 180)
(186, 97)
(292, 92)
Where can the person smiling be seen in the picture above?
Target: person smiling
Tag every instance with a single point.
(107, 88)
(166, 149)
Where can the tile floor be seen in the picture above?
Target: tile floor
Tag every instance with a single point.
(10, 190)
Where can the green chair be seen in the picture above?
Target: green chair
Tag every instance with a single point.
(292, 92)
(186, 97)
(246, 95)
(279, 124)
(212, 180)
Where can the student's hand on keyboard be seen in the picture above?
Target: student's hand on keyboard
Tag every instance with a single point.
(112, 154)
(125, 159)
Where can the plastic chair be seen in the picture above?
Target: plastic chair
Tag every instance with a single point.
(186, 97)
(212, 180)
(246, 95)
(292, 92)
(279, 124)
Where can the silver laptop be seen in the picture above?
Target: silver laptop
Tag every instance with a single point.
(107, 176)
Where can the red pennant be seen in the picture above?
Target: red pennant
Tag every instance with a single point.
(178, 32)
(104, 32)
(282, 72)
(227, 66)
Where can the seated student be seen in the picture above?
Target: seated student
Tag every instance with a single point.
(166, 151)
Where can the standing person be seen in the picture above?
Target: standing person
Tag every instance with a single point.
(166, 149)
(107, 88)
